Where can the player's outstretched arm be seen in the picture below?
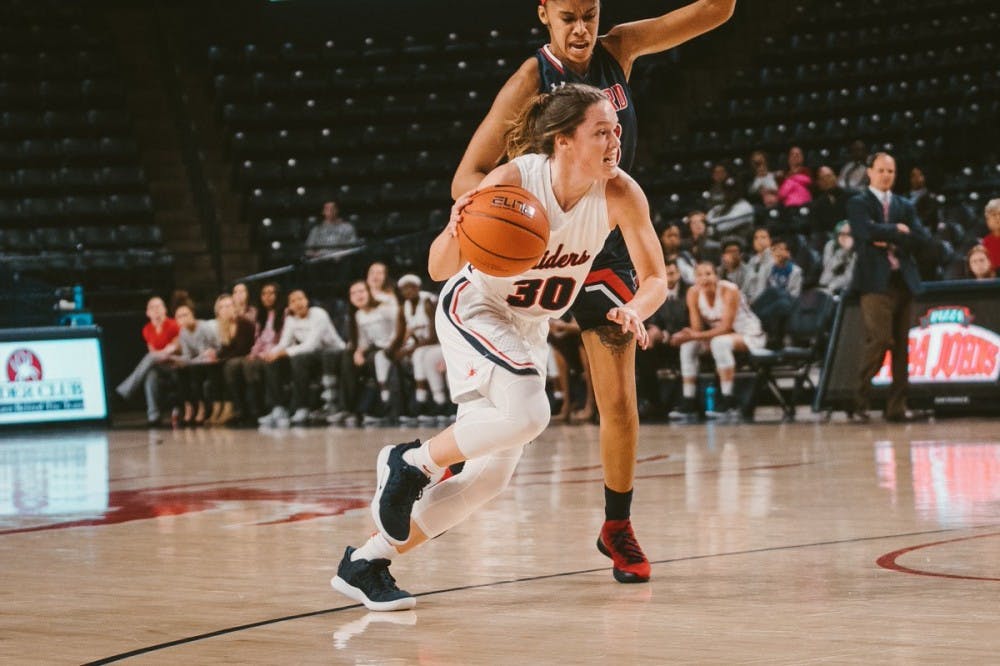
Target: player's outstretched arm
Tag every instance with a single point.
(628, 41)
(486, 147)
(629, 211)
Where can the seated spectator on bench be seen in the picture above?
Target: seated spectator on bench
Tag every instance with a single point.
(795, 184)
(759, 264)
(773, 294)
(762, 176)
(978, 264)
(235, 335)
(992, 240)
(416, 344)
(698, 242)
(722, 323)
(379, 284)
(670, 241)
(247, 385)
(785, 275)
(373, 327)
(332, 234)
(669, 319)
(830, 204)
(853, 175)
(734, 216)
(732, 269)
(838, 260)
(161, 335)
(308, 343)
(241, 301)
(197, 338)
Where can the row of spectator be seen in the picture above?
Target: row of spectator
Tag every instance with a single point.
(285, 361)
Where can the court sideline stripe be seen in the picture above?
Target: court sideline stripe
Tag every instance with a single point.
(299, 616)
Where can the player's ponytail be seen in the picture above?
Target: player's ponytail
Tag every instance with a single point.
(548, 115)
(520, 138)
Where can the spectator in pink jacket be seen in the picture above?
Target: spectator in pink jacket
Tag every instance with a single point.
(796, 181)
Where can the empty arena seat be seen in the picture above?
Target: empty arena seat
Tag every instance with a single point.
(58, 239)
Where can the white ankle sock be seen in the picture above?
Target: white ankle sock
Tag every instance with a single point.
(384, 394)
(421, 395)
(420, 458)
(376, 548)
(726, 386)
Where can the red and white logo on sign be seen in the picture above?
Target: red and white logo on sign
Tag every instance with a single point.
(948, 347)
(23, 366)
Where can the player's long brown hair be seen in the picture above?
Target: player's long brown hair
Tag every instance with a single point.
(547, 115)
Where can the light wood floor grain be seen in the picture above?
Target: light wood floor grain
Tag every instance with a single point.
(801, 543)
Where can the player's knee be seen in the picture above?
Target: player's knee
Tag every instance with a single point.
(533, 418)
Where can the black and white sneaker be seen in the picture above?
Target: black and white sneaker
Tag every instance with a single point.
(721, 409)
(687, 411)
(400, 484)
(370, 583)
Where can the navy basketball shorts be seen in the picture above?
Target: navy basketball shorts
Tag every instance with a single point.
(605, 288)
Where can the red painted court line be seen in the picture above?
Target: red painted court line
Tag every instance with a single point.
(888, 561)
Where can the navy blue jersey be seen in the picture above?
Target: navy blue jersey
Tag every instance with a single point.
(604, 73)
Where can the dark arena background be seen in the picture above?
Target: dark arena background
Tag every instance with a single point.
(179, 149)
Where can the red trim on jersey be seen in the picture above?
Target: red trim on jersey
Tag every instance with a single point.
(553, 60)
(457, 320)
(610, 279)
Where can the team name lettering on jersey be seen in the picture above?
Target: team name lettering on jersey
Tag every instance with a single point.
(559, 260)
(617, 96)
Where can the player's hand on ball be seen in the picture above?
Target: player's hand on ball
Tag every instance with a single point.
(630, 323)
(456, 212)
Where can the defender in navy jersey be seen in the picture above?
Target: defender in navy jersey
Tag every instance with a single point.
(575, 52)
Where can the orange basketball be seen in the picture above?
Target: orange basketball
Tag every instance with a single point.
(503, 231)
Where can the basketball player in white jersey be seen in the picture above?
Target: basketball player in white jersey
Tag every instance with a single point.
(417, 341)
(721, 322)
(493, 331)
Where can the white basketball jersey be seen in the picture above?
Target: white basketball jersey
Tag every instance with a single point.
(416, 317)
(575, 238)
(745, 322)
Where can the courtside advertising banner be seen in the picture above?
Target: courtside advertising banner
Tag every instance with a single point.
(42, 381)
(948, 347)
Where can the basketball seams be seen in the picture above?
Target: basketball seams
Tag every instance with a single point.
(490, 245)
(508, 222)
(490, 252)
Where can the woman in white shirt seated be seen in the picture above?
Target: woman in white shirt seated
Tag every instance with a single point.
(373, 327)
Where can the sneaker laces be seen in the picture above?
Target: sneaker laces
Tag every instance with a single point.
(408, 485)
(623, 542)
(379, 577)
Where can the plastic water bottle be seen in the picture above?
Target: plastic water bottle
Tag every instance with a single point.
(710, 398)
(78, 297)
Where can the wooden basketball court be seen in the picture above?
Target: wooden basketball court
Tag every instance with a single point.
(826, 543)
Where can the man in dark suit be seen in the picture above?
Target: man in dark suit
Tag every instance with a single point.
(887, 234)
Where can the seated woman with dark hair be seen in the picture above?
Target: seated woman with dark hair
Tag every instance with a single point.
(373, 328)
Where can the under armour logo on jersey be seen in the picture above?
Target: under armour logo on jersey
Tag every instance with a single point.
(472, 371)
